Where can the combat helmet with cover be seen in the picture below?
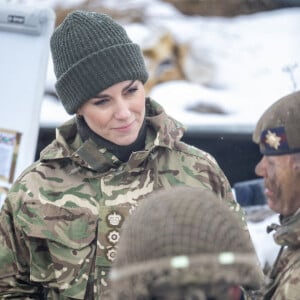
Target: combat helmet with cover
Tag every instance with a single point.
(183, 241)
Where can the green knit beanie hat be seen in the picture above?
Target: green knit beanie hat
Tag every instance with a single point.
(90, 53)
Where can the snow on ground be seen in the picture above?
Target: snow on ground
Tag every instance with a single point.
(264, 244)
(253, 60)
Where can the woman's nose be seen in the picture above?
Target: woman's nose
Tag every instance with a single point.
(122, 110)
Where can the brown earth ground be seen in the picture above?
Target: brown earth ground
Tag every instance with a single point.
(227, 8)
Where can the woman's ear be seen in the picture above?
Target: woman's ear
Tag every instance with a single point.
(79, 113)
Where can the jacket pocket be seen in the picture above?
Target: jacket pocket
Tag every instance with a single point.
(62, 246)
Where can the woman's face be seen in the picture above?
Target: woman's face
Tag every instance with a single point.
(117, 113)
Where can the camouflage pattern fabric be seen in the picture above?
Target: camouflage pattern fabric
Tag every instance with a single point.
(283, 281)
(60, 223)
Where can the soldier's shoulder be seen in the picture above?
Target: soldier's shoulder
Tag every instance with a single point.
(195, 152)
(288, 287)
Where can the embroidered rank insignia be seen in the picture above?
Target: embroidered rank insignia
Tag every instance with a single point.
(111, 254)
(113, 236)
(114, 219)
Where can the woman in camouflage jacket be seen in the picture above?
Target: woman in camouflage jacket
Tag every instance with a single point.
(61, 220)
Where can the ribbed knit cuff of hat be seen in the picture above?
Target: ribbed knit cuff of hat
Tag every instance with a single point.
(99, 71)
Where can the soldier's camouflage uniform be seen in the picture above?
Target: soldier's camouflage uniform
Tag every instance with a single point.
(284, 278)
(60, 223)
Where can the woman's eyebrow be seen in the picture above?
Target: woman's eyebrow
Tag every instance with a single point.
(101, 95)
(129, 85)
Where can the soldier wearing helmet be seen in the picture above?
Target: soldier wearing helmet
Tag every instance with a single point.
(191, 249)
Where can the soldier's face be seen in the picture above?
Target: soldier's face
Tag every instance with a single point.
(281, 181)
(117, 113)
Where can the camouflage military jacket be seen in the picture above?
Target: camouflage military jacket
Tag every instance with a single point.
(61, 221)
(284, 277)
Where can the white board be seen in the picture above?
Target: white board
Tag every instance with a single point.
(24, 53)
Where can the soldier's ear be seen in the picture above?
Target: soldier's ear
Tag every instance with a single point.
(296, 162)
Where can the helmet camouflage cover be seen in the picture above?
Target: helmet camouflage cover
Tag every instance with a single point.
(181, 238)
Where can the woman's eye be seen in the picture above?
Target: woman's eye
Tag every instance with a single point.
(101, 102)
(132, 90)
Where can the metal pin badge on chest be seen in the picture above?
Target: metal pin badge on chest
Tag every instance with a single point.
(273, 141)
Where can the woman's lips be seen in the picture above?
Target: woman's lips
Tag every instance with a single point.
(125, 127)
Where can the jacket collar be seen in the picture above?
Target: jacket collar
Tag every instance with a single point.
(288, 233)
